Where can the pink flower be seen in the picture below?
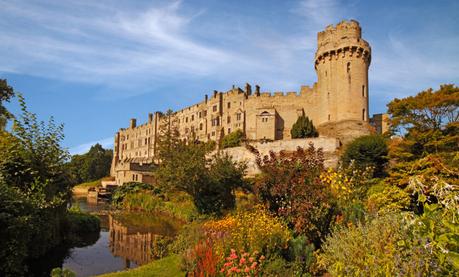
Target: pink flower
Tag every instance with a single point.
(233, 256)
(242, 261)
(222, 270)
(247, 269)
(228, 264)
(262, 258)
(251, 259)
(253, 265)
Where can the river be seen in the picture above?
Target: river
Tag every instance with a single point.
(126, 240)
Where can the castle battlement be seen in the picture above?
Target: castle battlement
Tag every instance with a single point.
(340, 95)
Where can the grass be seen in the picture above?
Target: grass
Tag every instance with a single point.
(165, 267)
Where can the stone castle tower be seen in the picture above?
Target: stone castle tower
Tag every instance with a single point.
(341, 62)
(337, 104)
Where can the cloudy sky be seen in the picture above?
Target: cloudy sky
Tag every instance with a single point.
(95, 64)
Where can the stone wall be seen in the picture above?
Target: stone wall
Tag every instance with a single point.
(242, 154)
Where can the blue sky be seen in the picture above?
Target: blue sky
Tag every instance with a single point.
(95, 64)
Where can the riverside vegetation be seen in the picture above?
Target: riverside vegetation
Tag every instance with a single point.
(34, 190)
(390, 211)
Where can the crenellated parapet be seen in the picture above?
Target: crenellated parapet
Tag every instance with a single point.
(342, 40)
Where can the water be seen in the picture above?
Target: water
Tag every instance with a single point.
(125, 241)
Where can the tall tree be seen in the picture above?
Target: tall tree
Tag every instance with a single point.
(6, 92)
(428, 121)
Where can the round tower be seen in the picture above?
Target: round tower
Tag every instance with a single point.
(341, 62)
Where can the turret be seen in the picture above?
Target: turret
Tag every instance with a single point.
(341, 62)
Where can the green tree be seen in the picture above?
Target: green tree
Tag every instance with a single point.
(6, 92)
(367, 151)
(303, 128)
(93, 165)
(186, 167)
(34, 177)
(428, 122)
(233, 139)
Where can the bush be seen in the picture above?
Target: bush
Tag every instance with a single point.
(303, 128)
(250, 231)
(130, 188)
(383, 198)
(384, 246)
(291, 188)
(81, 223)
(233, 139)
(367, 151)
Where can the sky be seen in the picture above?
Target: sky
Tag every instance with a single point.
(93, 65)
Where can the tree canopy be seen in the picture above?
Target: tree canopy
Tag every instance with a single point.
(303, 128)
(6, 92)
(93, 165)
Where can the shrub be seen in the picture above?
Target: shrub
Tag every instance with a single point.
(291, 187)
(81, 223)
(303, 128)
(367, 151)
(130, 188)
(383, 198)
(233, 139)
(251, 231)
(384, 246)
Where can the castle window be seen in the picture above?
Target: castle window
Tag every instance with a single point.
(214, 108)
(204, 113)
(192, 117)
(363, 114)
(199, 114)
(238, 116)
(229, 105)
(229, 130)
(213, 133)
(200, 126)
(228, 119)
(325, 73)
(328, 117)
(363, 91)
(186, 120)
(146, 141)
(348, 69)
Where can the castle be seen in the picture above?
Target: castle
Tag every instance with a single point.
(337, 104)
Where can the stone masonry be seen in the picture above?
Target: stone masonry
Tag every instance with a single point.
(337, 104)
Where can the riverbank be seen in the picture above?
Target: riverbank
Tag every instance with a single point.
(167, 267)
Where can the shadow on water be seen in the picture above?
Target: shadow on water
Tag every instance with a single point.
(125, 241)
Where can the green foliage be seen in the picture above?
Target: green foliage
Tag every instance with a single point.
(131, 188)
(6, 92)
(16, 217)
(367, 151)
(301, 255)
(383, 246)
(429, 121)
(93, 165)
(383, 198)
(185, 167)
(303, 128)
(59, 272)
(233, 139)
(80, 223)
(291, 188)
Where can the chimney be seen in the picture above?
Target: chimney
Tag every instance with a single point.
(150, 118)
(257, 90)
(206, 98)
(215, 93)
(248, 89)
(133, 123)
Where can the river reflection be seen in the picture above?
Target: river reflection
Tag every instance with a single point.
(125, 241)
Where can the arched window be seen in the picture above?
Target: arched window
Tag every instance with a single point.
(363, 114)
(348, 68)
(363, 91)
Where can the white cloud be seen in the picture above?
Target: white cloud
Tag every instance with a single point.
(83, 148)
